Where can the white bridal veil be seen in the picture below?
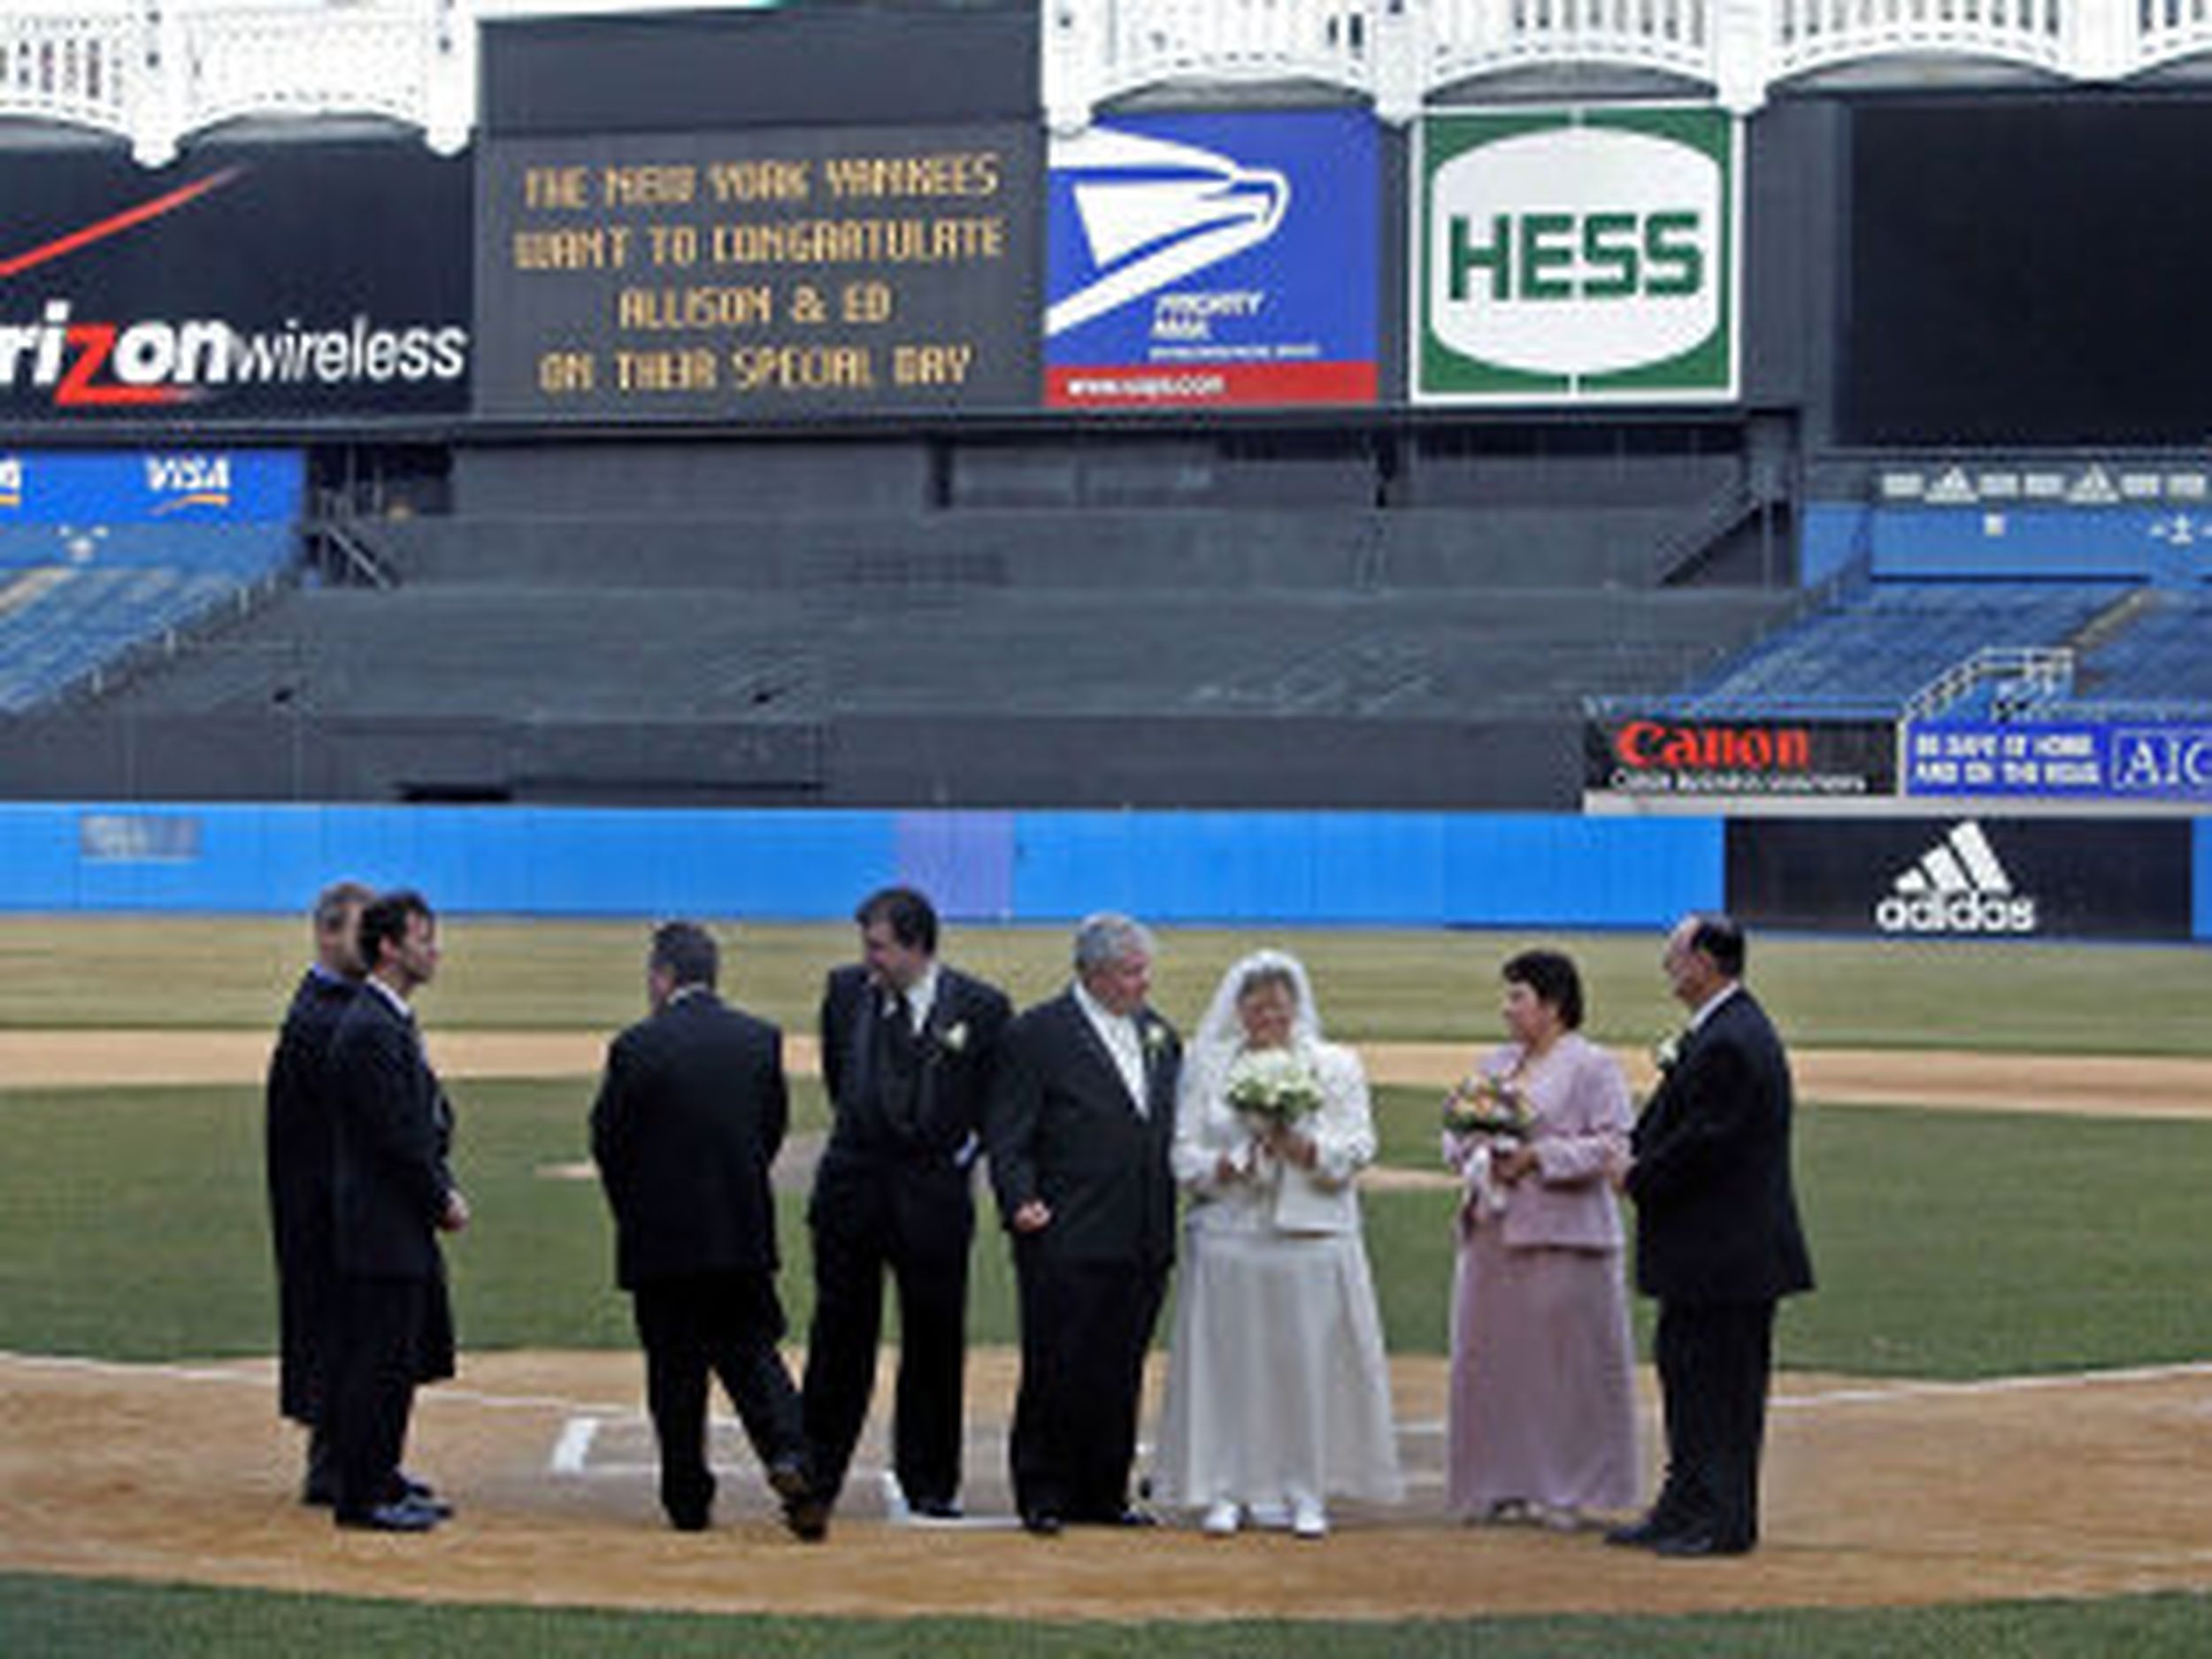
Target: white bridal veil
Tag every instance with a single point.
(1220, 1035)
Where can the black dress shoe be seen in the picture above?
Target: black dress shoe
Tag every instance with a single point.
(806, 1511)
(1644, 1534)
(687, 1520)
(1131, 1515)
(1041, 1523)
(933, 1508)
(406, 1489)
(405, 1516)
(1690, 1546)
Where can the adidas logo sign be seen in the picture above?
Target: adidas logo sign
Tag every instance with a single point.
(1958, 887)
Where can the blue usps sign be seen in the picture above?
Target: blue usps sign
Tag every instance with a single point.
(1224, 257)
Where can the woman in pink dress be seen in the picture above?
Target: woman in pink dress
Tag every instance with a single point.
(1543, 1423)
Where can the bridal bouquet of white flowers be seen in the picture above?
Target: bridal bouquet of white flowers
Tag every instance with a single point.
(1275, 1084)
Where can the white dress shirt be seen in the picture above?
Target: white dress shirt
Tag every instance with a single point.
(1119, 1034)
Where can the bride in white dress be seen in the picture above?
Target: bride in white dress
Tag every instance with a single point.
(1278, 1387)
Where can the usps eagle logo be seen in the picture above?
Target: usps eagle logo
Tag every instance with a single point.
(1150, 212)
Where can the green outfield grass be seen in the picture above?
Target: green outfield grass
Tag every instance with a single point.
(1440, 986)
(79, 1619)
(1949, 1244)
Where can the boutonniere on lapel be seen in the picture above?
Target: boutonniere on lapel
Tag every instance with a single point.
(953, 1038)
(1666, 1054)
(1155, 1037)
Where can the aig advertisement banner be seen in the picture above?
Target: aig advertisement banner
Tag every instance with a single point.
(1572, 255)
(1224, 259)
(159, 487)
(1968, 877)
(764, 274)
(239, 284)
(2078, 760)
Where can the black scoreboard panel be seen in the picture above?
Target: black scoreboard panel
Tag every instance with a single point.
(2028, 269)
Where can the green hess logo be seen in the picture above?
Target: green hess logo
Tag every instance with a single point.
(1565, 255)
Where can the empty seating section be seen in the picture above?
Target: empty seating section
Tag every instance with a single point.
(76, 600)
(1867, 655)
(2160, 662)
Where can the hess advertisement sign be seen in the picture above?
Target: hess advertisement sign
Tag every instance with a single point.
(1570, 256)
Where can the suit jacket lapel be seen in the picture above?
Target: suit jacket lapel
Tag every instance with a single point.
(1100, 1056)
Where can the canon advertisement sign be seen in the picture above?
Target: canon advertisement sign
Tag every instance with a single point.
(1970, 878)
(1658, 755)
(240, 283)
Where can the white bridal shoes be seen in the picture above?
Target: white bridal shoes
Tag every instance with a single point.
(1220, 1518)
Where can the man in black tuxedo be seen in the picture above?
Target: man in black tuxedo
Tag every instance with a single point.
(298, 1145)
(690, 1114)
(1080, 1121)
(908, 1048)
(392, 1193)
(1719, 1242)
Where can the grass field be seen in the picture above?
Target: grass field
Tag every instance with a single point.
(2019, 998)
(1949, 1246)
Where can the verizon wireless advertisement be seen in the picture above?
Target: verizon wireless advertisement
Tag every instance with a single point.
(240, 283)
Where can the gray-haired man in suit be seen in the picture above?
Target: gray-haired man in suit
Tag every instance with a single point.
(1080, 1125)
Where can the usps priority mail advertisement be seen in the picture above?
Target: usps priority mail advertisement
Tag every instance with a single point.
(1214, 258)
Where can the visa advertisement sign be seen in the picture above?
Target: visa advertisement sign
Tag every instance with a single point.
(1224, 259)
(1576, 256)
(2162, 761)
(181, 486)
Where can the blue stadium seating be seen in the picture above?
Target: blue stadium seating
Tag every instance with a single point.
(75, 600)
(2156, 665)
(1866, 655)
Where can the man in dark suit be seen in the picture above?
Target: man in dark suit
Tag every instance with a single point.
(1718, 1243)
(908, 1048)
(1080, 1121)
(689, 1116)
(298, 1146)
(392, 1193)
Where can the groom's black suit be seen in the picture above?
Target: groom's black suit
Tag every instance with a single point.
(895, 1191)
(1062, 1129)
(390, 1183)
(1718, 1243)
(690, 1114)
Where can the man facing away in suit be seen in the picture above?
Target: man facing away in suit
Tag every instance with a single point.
(298, 1145)
(690, 1114)
(908, 1048)
(392, 1193)
(1718, 1243)
(1080, 1121)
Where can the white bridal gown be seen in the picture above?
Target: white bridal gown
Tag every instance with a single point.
(1278, 1387)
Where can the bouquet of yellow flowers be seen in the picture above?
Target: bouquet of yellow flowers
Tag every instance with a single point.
(1485, 1105)
(1274, 1084)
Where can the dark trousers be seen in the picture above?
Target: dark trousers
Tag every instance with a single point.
(1086, 1327)
(841, 1355)
(1715, 1360)
(726, 1325)
(376, 1342)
